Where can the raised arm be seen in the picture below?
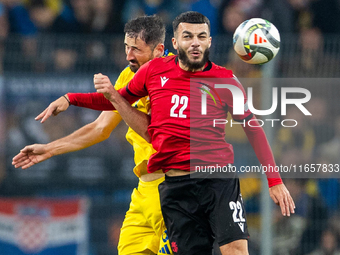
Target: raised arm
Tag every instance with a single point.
(277, 190)
(106, 92)
(135, 119)
(98, 101)
(90, 134)
(95, 101)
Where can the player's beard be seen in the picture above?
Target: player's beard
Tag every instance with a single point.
(192, 66)
(135, 67)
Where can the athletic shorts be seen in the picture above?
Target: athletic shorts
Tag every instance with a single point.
(198, 211)
(143, 229)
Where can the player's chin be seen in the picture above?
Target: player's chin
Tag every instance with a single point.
(195, 61)
(134, 67)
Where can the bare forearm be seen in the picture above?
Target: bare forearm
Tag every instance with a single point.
(91, 134)
(135, 119)
(84, 137)
(122, 100)
(78, 140)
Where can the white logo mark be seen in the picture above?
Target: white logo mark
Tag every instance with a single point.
(164, 80)
(241, 225)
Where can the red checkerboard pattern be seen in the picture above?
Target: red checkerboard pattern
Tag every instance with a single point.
(32, 233)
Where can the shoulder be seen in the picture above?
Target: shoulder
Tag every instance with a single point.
(126, 73)
(124, 77)
(163, 60)
(222, 71)
(159, 64)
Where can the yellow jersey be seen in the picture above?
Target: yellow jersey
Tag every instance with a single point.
(142, 149)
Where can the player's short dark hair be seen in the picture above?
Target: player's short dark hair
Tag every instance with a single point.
(190, 17)
(150, 29)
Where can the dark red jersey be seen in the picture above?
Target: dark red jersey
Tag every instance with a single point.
(180, 131)
(188, 115)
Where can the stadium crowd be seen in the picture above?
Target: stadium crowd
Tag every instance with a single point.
(30, 20)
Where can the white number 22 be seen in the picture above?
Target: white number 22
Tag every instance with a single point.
(176, 100)
(238, 211)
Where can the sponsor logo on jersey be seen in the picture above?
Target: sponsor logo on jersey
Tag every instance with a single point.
(165, 246)
(205, 89)
(164, 80)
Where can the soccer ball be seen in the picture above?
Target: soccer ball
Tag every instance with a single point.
(256, 41)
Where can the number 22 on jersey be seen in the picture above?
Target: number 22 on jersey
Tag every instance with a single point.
(181, 103)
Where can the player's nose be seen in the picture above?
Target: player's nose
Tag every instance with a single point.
(130, 58)
(130, 55)
(195, 42)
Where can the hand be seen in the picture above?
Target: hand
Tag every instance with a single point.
(104, 86)
(56, 107)
(281, 196)
(31, 155)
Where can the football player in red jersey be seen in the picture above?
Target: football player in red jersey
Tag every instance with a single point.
(196, 210)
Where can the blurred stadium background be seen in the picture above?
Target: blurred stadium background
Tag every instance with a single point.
(51, 47)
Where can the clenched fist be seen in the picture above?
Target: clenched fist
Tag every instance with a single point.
(104, 86)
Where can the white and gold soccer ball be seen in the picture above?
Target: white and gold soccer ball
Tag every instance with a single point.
(256, 41)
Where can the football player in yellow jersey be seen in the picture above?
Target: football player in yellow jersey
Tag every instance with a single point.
(143, 230)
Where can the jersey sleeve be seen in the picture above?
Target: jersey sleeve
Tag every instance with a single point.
(97, 101)
(94, 101)
(259, 142)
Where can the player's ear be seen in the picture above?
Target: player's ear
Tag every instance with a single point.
(158, 50)
(174, 43)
